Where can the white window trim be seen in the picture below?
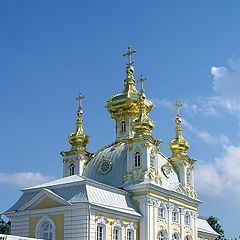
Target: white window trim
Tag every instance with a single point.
(164, 213)
(187, 214)
(117, 224)
(177, 236)
(41, 222)
(131, 227)
(140, 158)
(177, 212)
(123, 126)
(102, 221)
(72, 166)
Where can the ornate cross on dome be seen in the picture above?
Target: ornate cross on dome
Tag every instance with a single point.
(80, 100)
(177, 106)
(141, 80)
(129, 54)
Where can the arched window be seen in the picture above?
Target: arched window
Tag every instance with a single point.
(175, 236)
(101, 228)
(130, 234)
(137, 158)
(161, 212)
(162, 235)
(71, 169)
(45, 229)
(123, 126)
(131, 231)
(188, 237)
(116, 233)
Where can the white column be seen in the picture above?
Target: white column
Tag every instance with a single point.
(182, 213)
(169, 208)
(155, 208)
(144, 220)
(194, 225)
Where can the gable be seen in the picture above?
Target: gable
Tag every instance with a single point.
(46, 203)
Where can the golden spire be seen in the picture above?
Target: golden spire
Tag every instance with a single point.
(79, 139)
(141, 80)
(179, 146)
(143, 125)
(129, 81)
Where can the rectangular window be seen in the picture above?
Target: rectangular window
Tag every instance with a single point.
(161, 212)
(99, 233)
(116, 234)
(174, 216)
(129, 235)
(187, 219)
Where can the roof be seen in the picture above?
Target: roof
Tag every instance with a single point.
(204, 227)
(75, 190)
(118, 157)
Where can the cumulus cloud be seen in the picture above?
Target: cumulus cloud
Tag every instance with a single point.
(24, 179)
(223, 173)
(226, 84)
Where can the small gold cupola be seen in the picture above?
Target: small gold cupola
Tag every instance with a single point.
(79, 139)
(179, 146)
(143, 125)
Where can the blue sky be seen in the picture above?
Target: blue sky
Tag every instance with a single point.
(188, 50)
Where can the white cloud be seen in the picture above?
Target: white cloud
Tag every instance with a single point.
(24, 179)
(163, 102)
(222, 175)
(204, 135)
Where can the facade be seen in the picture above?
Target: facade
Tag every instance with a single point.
(127, 190)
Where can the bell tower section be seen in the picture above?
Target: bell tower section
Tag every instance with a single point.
(180, 159)
(76, 159)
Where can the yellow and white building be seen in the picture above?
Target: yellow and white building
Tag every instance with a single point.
(127, 190)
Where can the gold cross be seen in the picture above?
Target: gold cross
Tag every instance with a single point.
(141, 80)
(80, 100)
(177, 106)
(129, 54)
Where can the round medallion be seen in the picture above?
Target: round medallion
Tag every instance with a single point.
(104, 165)
(166, 169)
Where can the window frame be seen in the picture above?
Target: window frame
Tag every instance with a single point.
(71, 169)
(123, 126)
(101, 222)
(175, 216)
(161, 212)
(39, 230)
(137, 159)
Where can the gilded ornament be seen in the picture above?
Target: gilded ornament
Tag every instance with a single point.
(104, 165)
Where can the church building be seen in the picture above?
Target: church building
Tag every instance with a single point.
(127, 190)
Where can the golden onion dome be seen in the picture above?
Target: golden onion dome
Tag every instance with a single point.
(179, 146)
(126, 102)
(143, 125)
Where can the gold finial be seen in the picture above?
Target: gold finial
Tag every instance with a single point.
(178, 105)
(80, 98)
(178, 145)
(129, 53)
(79, 138)
(141, 80)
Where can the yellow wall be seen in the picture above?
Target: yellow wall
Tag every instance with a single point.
(32, 225)
(46, 203)
(58, 220)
